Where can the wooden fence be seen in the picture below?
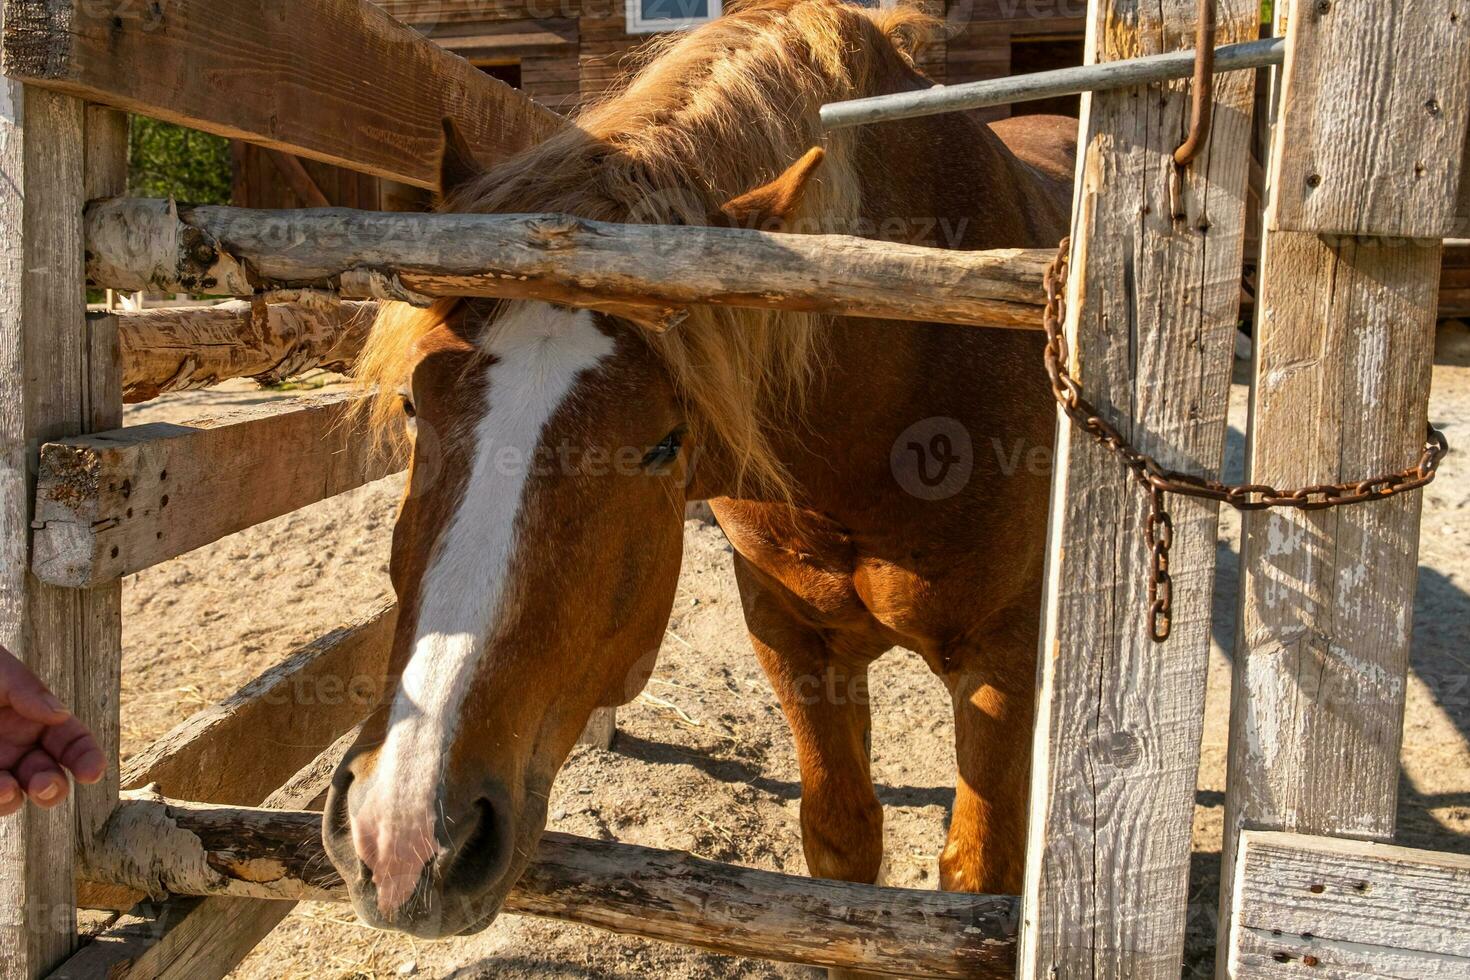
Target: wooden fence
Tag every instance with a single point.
(1365, 176)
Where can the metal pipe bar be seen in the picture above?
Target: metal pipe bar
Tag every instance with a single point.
(1046, 84)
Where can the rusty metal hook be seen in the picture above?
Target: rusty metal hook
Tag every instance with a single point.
(1202, 117)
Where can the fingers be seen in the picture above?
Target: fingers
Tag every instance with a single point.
(17, 737)
(70, 744)
(39, 741)
(73, 746)
(33, 772)
(25, 693)
(11, 798)
(43, 780)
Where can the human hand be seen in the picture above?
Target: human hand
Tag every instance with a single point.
(40, 740)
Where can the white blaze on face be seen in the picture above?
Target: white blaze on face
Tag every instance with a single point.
(539, 354)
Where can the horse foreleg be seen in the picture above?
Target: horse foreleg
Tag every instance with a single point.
(823, 690)
(994, 712)
(824, 696)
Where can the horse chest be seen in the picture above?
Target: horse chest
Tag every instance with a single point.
(832, 583)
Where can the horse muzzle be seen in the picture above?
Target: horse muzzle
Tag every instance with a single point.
(430, 871)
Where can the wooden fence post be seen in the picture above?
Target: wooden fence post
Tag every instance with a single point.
(44, 394)
(1344, 347)
(1153, 302)
(99, 668)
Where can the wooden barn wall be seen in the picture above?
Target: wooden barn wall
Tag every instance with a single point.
(260, 183)
(572, 51)
(607, 48)
(981, 35)
(1454, 288)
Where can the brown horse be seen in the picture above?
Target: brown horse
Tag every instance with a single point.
(883, 484)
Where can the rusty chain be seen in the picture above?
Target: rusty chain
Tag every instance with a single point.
(1159, 482)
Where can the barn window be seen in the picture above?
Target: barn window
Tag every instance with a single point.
(1034, 54)
(648, 16)
(509, 73)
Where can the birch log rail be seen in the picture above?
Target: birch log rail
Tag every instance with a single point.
(164, 847)
(179, 349)
(643, 271)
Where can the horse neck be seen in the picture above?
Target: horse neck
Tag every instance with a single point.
(955, 174)
(944, 182)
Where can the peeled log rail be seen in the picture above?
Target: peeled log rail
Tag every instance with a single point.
(164, 847)
(240, 750)
(648, 270)
(195, 347)
(191, 938)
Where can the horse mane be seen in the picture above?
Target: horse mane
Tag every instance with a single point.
(712, 114)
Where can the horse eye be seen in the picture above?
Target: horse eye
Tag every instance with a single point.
(666, 451)
(408, 406)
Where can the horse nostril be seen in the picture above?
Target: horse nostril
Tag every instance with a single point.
(336, 809)
(479, 847)
(345, 775)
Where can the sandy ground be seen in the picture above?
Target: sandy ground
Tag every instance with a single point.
(705, 763)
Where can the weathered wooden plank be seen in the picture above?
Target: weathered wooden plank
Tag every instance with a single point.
(142, 244)
(44, 394)
(150, 939)
(1461, 227)
(113, 503)
(99, 666)
(258, 70)
(1153, 301)
(196, 347)
(1344, 343)
(1376, 105)
(1324, 907)
(1344, 347)
(165, 846)
(200, 938)
(1324, 638)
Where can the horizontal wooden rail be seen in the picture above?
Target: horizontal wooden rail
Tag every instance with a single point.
(147, 244)
(193, 938)
(166, 847)
(372, 98)
(178, 349)
(111, 504)
(1319, 906)
(240, 750)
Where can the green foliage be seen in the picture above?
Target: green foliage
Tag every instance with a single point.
(1268, 11)
(170, 161)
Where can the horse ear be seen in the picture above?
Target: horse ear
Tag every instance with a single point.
(770, 207)
(457, 163)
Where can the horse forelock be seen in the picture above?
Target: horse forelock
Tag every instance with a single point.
(712, 114)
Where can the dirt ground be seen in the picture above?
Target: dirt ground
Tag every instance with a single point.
(704, 762)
